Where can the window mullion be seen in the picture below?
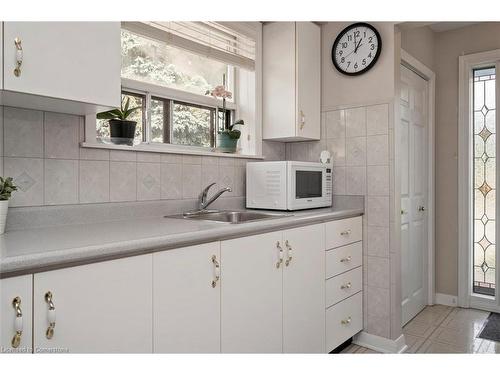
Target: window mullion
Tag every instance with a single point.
(147, 132)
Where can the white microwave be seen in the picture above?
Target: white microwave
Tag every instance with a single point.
(288, 185)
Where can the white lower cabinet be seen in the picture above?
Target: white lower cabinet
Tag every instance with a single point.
(304, 290)
(273, 297)
(292, 291)
(251, 294)
(344, 320)
(186, 295)
(97, 308)
(16, 314)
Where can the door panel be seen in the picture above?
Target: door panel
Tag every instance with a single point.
(186, 303)
(304, 290)
(99, 308)
(251, 295)
(414, 182)
(11, 288)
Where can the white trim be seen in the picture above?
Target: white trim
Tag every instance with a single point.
(174, 94)
(445, 299)
(167, 149)
(466, 64)
(422, 70)
(380, 344)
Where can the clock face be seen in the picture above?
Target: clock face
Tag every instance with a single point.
(356, 49)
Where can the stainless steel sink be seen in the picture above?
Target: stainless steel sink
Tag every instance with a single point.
(231, 217)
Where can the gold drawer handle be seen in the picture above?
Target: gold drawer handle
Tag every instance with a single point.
(346, 259)
(19, 57)
(346, 321)
(216, 271)
(345, 232)
(51, 316)
(280, 255)
(289, 253)
(346, 286)
(16, 340)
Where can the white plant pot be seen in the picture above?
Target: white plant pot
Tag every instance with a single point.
(4, 207)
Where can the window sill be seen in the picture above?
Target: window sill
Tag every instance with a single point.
(167, 149)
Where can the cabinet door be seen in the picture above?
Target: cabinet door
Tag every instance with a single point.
(98, 308)
(304, 290)
(78, 61)
(186, 296)
(16, 314)
(308, 57)
(251, 295)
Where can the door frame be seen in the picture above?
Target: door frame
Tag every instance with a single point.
(426, 73)
(465, 295)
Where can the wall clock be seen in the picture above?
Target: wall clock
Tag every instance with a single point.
(356, 49)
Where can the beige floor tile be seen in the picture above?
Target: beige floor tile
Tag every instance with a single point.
(413, 343)
(351, 349)
(433, 315)
(417, 328)
(436, 347)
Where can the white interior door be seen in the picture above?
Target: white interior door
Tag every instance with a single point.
(414, 182)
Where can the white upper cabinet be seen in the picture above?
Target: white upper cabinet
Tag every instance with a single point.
(97, 308)
(77, 62)
(186, 295)
(16, 314)
(291, 81)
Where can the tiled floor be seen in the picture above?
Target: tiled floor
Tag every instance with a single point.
(443, 329)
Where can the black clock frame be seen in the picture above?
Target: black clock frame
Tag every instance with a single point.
(341, 34)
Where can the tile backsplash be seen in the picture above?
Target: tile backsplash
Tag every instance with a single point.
(41, 150)
(359, 140)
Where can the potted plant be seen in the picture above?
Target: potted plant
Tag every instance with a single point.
(7, 186)
(121, 130)
(227, 139)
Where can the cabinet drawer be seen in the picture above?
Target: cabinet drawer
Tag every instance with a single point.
(342, 286)
(343, 321)
(343, 232)
(343, 259)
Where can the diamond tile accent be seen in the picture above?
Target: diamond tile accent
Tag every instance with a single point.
(24, 181)
(148, 181)
(484, 188)
(484, 243)
(484, 267)
(484, 133)
(484, 219)
(484, 110)
(484, 157)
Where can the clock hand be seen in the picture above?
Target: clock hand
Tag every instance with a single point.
(357, 46)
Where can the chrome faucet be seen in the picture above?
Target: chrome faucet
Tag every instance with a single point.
(204, 202)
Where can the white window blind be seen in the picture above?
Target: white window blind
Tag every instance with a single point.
(210, 39)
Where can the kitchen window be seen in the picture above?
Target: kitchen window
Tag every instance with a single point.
(167, 69)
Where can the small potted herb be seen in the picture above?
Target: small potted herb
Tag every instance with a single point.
(227, 139)
(7, 186)
(122, 131)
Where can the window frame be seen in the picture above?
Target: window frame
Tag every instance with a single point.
(467, 65)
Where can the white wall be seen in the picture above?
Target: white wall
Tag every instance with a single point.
(357, 128)
(375, 86)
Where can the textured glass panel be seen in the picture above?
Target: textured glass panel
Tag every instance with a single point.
(158, 122)
(484, 194)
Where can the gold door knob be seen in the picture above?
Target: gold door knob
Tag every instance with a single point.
(346, 321)
(289, 253)
(280, 255)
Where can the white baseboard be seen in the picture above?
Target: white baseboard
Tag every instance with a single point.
(379, 343)
(445, 299)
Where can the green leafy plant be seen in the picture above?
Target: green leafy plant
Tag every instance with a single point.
(118, 113)
(234, 133)
(7, 186)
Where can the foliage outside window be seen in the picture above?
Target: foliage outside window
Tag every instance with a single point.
(162, 119)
